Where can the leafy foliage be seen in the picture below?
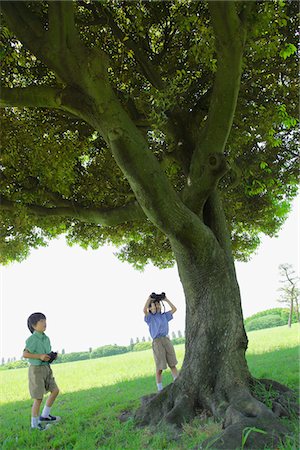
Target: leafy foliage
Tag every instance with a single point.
(140, 346)
(161, 63)
(269, 321)
(269, 318)
(108, 350)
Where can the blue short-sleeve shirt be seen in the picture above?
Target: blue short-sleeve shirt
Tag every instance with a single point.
(158, 324)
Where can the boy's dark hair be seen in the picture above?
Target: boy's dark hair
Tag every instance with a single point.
(33, 320)
(155, 302)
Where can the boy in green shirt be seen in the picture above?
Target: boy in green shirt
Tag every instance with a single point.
(40, 375)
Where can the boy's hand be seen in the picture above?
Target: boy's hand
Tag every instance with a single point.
(44, 357)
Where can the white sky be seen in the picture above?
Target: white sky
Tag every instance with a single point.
(91, 299)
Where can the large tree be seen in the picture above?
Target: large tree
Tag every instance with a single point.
(166, 128)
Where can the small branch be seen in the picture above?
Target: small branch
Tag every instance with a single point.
(245, 14)
(149, 70)
(52, 197)
(104, 217)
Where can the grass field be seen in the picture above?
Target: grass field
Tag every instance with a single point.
(95, 392)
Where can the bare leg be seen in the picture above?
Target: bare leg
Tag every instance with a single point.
(35, 410)
(159, 380)
(174, 372)
(158, 376)
(52, 397)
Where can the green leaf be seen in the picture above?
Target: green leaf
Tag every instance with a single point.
(289, 50)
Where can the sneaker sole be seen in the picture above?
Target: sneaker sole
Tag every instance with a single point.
(42, 428)
(49, 421)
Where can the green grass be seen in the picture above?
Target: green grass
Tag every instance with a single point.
(94, 393)
(273, 353)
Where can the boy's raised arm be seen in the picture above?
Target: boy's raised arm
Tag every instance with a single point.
(173, 307)
(147, 304)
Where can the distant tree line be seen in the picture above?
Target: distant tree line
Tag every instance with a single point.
(99, 352)
(269, 318)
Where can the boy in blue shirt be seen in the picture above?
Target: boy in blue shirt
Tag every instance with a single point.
(40, 375)
(158, 322)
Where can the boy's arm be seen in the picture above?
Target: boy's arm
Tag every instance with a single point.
(173, 307)
(147, 304)
(41, 356)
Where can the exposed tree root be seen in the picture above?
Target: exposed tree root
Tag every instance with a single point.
(249, 422)
(282, 399)
(246, 420)
(170, 405)
(253, 433)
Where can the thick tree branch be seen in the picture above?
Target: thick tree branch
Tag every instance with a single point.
(214, 169)
(214, 218)
(230, 38)
(69, 100)
(62, 31)
(59, 47)
(226, 24)
(65, 52)
(33, 96)
(104, 217)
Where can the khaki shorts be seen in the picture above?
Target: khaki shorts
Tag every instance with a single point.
(41, 380)
(164, 353)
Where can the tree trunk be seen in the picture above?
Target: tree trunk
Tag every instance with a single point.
(214, 363)
(214, 377)
(297, 309)
(291, 313)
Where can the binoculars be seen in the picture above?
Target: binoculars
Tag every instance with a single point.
(52, 355)
(158, 297)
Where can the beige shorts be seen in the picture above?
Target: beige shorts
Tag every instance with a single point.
(164, 353)
(41, 380)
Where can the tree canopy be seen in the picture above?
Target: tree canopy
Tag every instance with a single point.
(58, 174)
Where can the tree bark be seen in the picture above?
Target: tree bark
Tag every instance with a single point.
(214, 377)
(291, 313)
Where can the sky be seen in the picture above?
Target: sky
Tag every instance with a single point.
(91, 299)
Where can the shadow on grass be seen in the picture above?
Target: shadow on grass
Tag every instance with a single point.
(90, 417)
(281, 365)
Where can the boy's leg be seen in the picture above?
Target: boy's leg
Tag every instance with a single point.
(174, 372)
(35, 412)
(50, 400)
(52, 397)
(159, 380)
(171, 357)
(51, 386)
(160, 361)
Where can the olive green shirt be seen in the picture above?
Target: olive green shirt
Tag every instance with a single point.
(38, 343)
